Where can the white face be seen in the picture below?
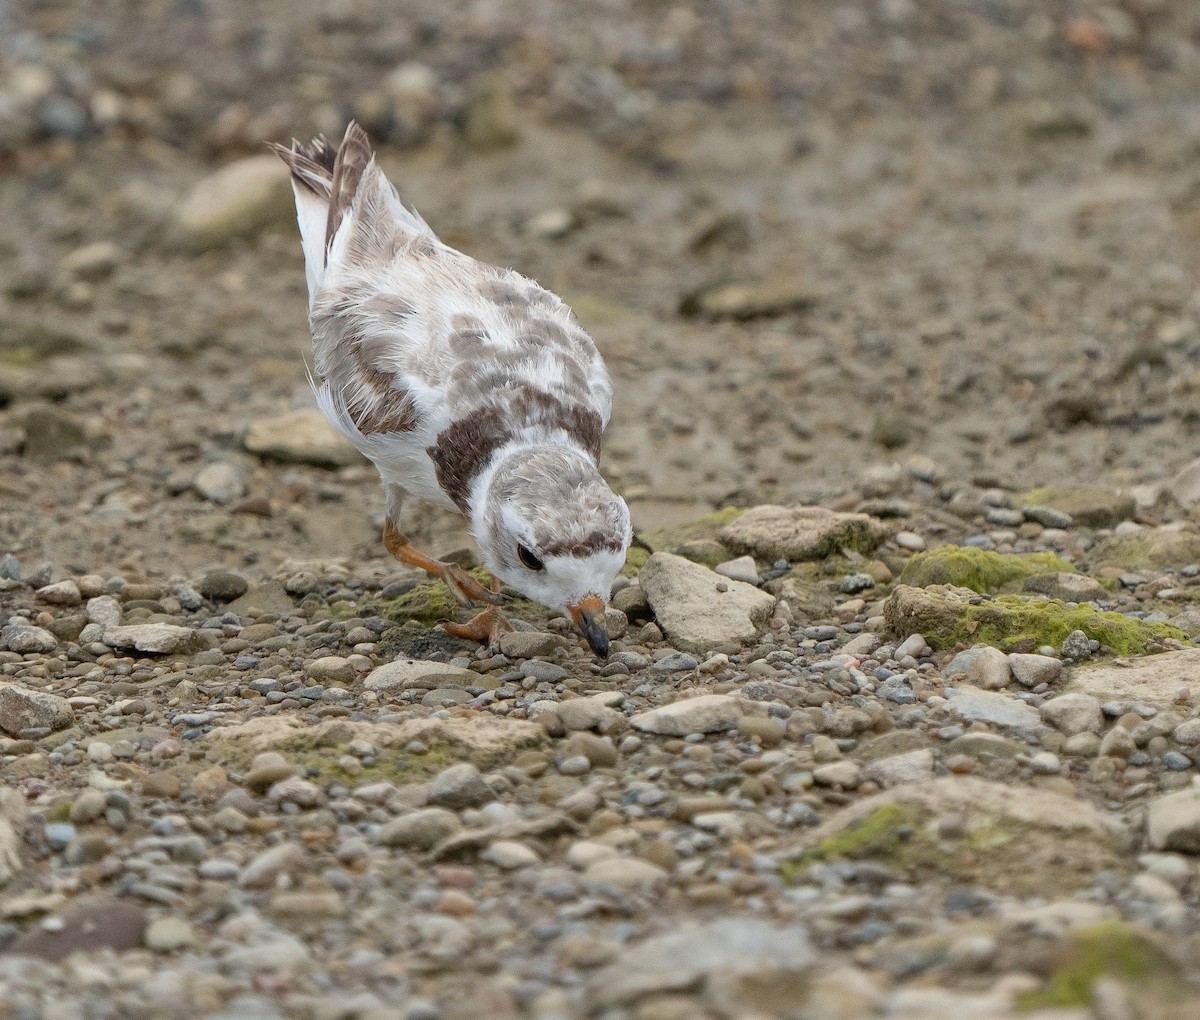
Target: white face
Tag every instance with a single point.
(511, 553)
(565, 580)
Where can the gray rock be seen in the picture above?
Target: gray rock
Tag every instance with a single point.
(417, 674)
(845, 774)
(741, 569)
(544, 672)
(754, 299)
(801, 532)
(1074, 713)
(864, 644)
(1067, 587)
(91, 262)
(988, 669)
(459, 786)
(976, 705)
(1031, 670)
(28, 640)
(154, 639)
(698, 609)
(223, 586)
(894, 770)
(1173, 822)
(1187, 733)
(22, 709)
(301, 437)
(419, 830)
(959, 665)
(330, 669)
(708, 713)
(588, 714)
(62, 593)
(676, 662)
(1077, 646)
(220, 483)
(527, 644)
(852, 584)
(87, 807)
(263, 870)
(1047, 516)
(53, 433)
(625, 874)
(747, 966)
(104, 610)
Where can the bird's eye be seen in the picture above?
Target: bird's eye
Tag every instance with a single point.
(527, 557)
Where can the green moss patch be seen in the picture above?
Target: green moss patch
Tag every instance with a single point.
(432, 602)
(635, 560)
(952, 617)
(696, 540)
(1113, 950)
(978, 569)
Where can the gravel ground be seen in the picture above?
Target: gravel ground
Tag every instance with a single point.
(915, 735)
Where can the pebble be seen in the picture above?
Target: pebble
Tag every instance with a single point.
(708, 713)
(220, 483)
(510, 855)
(1032, 670)
(167, 934)
(459, 786)
(330, 669)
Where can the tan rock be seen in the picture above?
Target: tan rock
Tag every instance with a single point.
(301, 437)
(801, 532)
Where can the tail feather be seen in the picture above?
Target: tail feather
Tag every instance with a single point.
(353, 160)
(311, 165)
(345, 206)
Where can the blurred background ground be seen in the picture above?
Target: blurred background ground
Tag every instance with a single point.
(964, 238)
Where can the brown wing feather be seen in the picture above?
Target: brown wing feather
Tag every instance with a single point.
(311, 165)
(353, 157)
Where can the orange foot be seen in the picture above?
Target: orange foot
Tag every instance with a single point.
(486, 628)
(465, 588)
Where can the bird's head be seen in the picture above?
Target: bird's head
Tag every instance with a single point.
(548, 525)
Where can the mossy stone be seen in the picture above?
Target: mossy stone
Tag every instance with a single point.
(949, 617)
(698, 537)
(980, 570)
(1149, 549)
(1091, 507)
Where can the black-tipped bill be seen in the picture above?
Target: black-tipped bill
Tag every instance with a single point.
(589, 618)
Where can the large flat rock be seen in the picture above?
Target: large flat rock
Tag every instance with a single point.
(698, 609)
(1154, 679)
(801, 532)
(1009, 837)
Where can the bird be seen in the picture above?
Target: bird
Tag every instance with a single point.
(465, 384)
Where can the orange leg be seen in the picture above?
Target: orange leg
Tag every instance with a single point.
(486, 627)
(465, 588)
